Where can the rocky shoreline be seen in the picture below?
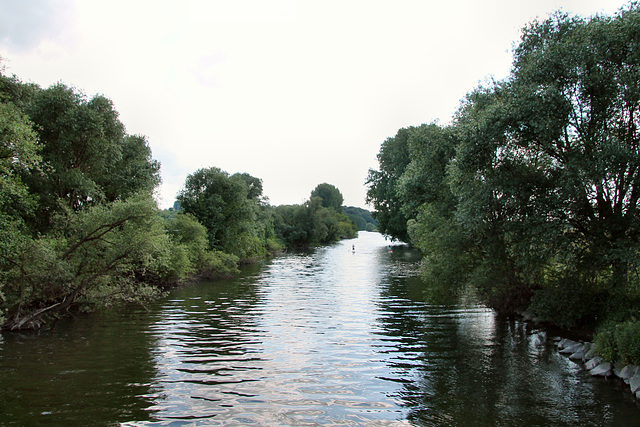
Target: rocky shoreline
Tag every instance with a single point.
(584, 353)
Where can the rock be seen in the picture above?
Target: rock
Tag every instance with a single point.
(628, 372)
(578, 355)
(616, 370)
(564, 343)
(571, 348)
(634, 383)
(593, 363)
(591, 353)
(602, 370)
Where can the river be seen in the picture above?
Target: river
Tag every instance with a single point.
(333, 336)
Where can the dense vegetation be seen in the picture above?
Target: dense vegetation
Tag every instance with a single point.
(363, 219)
(79, 227)
(531, 194)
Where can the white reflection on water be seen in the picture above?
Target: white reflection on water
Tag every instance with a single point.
(337, 337)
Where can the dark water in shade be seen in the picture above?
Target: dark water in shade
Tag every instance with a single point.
(330, 337)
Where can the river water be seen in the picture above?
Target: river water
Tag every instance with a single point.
(332, 337)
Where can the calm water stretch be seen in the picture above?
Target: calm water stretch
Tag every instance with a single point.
(330, 337)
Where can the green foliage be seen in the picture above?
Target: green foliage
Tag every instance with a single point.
(361, 217)
(382, 193)
(531, 194)
(274, 245)
(311, 224)
(19, 153)
(568, 302)
(78, 227)
(447, 260)
(229, 207)
(217, 264)
(330, 195)
(191, 241)
(93, 256)
(87, 158)
(134, 171)
(431, 148)
(606, 344)
(620, 342)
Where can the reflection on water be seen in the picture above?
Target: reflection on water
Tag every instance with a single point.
(328, 337)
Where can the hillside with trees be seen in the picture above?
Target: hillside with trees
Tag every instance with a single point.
(531, 194)
(363, 218)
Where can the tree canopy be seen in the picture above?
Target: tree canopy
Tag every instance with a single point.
(531, 193)
(330, 195)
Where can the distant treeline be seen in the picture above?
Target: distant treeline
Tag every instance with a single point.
(361, 217)
(79, 227)
(532, 194)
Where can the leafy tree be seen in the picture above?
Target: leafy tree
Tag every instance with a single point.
(79, 140)
(134, 171)
(18, 154)
(192, 253)
(548, 170)
(311, 224)
(576, 102)
(92, 258)
(382, 193)
(229, 207)
(87, 156)
(14, 91)
(330, 195)
(254, 186)
(361, 217)
(431, 149)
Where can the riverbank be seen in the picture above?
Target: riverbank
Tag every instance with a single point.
(585, 355)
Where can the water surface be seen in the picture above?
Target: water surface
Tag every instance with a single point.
(327, 337)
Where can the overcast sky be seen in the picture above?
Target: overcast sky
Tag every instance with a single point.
(296, 93)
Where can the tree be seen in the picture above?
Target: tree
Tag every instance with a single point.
(229, 207)
(311, 224)
(548, 169)
(383, 186)
(361, 217)
(87, 156)
(134, 171)
(330, 195)
(191, 250)
(431, 149)
(92, 258)
(18, 154)
(576, 104)
(80, 140)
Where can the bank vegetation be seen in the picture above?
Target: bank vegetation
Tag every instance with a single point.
(531, 194)
(80, 229)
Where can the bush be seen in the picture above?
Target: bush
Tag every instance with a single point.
(606, 344)
(274, 245)
(217, 264)
(620, 342)
(567, 302)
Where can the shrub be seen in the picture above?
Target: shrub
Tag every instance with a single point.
(567, 302)
(620, 342)
(606, 344)
(217, 264)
